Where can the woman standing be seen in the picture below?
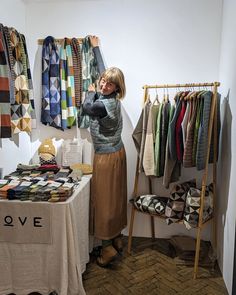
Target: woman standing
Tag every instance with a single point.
(109, 181)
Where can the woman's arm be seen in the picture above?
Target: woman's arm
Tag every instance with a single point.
(92, 107)
(96, 50)
(100, 63)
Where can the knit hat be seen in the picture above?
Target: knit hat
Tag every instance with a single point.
(47, 147)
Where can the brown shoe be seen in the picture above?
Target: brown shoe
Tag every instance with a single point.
(118, 244)
(108, 254)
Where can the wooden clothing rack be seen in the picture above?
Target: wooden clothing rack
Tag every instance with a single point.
(211, 127)
(59, 41)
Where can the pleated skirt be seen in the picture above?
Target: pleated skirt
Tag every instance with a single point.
(108, 206)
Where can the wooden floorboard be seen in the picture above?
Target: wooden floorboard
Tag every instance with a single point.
(149, 271)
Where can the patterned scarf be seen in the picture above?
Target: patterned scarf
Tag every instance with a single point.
(77, 66)
(69, 111)
(5, 110)
(51, 104)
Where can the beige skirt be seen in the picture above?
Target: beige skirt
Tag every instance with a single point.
(108, 206)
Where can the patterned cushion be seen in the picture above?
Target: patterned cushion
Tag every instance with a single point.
(191, 212)
(208, 203)
(151, 204)
(176, 202)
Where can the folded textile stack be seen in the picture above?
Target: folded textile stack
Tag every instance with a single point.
(49, 167)
(62, 193)
(19, 191)
(34, 188)
(27, 166)
(6, 187)
(62, 175)
(43, 193)
(3, 182)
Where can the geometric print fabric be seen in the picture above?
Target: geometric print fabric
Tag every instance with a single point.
(175, 206)
(21, 109)
(191, 212)
(64, 84)
(176, 202)
(183, 204)
(151, 204)
(51, 105)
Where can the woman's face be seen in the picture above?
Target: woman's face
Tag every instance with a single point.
(106, 87)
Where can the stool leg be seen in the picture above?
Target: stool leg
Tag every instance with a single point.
(153, 227)
(131, 229)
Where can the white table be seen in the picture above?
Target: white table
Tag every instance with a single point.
(32, 267)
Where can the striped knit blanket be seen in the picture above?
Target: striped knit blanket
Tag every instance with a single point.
(69, 111)
(5, 110)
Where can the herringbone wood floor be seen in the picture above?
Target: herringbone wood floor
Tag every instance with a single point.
(148, 271)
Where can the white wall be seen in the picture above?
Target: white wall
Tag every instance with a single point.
(152, 41)
(18, 149)
(227, 163)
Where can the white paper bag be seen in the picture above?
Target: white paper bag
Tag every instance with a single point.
(71, 152)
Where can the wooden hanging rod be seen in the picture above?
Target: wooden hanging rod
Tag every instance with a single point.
(59, 41)
(182, 85)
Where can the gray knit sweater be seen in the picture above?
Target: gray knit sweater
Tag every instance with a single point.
(106, 131)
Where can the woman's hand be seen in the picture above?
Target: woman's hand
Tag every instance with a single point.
(91, 87)
(94, 40)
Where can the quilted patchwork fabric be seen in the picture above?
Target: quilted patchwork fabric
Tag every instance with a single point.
(191, 212)
(151, 204)
(176, 202)
(175, 206)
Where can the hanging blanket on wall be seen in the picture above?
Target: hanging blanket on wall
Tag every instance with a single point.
(51, 104)
(90, 75)
(69, 111)
(10, 62)
(89, 65)
(5, 109)
(20, 118)
(27, 72)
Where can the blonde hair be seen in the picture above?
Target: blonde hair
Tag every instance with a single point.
(116, 76)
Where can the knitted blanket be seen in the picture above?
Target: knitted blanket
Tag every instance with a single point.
(90, 75)
(27, 70)
(20, 110)
(69, 111)
(5, 110)
(51, 103)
